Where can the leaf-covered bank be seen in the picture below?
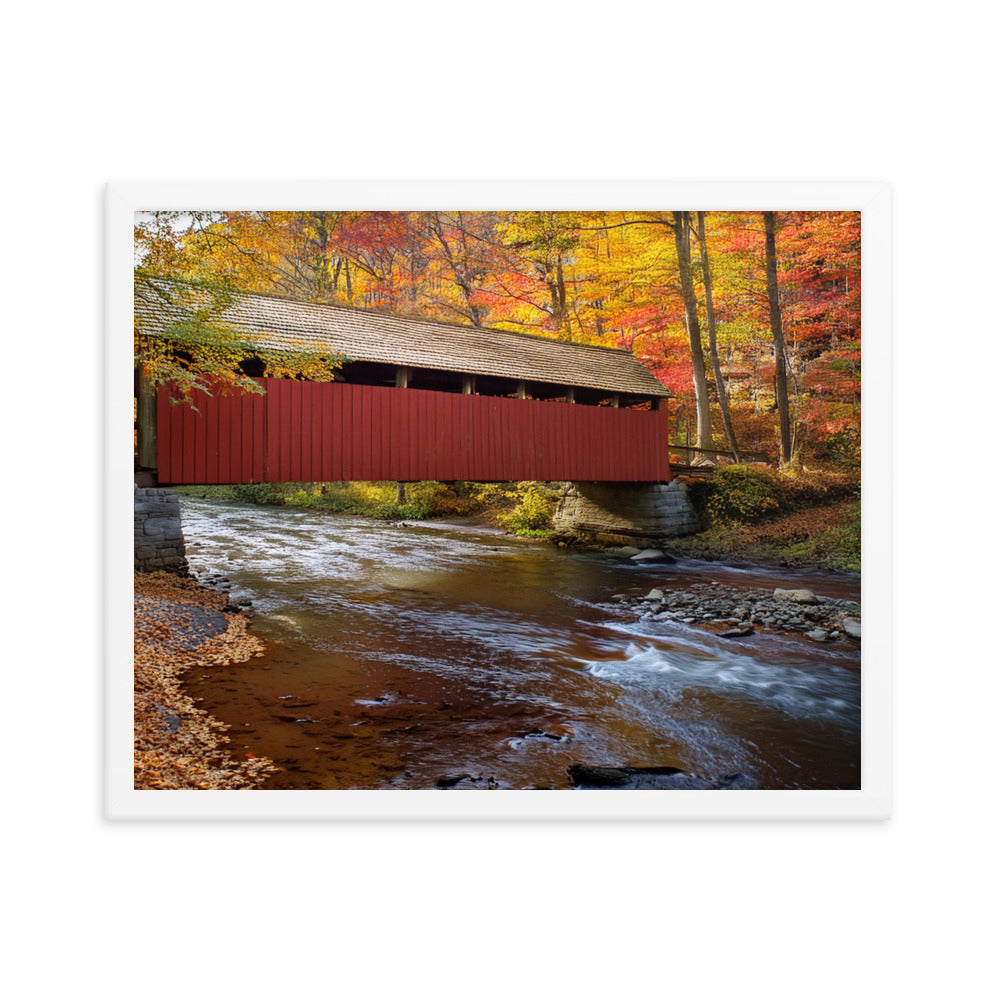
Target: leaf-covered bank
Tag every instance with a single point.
(180, 626)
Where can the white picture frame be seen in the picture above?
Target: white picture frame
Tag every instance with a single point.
(872, 801)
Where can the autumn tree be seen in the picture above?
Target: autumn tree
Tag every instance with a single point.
(182, 339)
(780, 368)
(682, 239)
(713, 346)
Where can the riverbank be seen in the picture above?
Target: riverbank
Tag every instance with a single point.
(523, 509)
(181, 626)
(826, 536)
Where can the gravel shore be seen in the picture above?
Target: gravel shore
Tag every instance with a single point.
(180, 625)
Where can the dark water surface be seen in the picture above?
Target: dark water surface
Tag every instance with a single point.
(401, 655)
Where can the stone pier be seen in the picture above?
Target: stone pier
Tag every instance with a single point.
(159, 541)
(625, 513)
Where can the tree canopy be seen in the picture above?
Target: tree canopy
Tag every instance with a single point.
(686, 292)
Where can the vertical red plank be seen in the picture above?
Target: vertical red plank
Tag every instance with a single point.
(164, 438)
(616, 433)
(569, 459)
(576, 459)
(339, 446)
(321, 463)
(259, 417)
(188, 471)
(395, 424)
(287, 442)
(374, 434)
(499, 439)
(209, 440)
(496, 431)
(463, 429)
(568, 451)
(276, 430)
(529, 422)
(460, 434)
(343, 446)
(538, 442)
(232, 408)
(218, 457)
(308, 392)
(507, 443)
(273, 439)
(467, 426)
(298, 432)
(177, 427)
(293, 436)
(359, 444)
(398, 401)
(336, 445)
(380, 422)
(405, 403)
(424, 454)
(195, 449)
(478, 437)
(415, 469)
(665, 448)
(446, 436)
(483, 437)
(244, 439)
(371, 440)
(418, 467)
(489, 444)
(519, 449)
(206, 439)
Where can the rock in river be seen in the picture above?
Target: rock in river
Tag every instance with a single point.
(852, 627)
(801, 596)
(648, 555)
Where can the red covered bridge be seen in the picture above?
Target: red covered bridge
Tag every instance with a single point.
(415, 400)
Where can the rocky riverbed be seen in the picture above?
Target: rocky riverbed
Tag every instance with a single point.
(736, 612)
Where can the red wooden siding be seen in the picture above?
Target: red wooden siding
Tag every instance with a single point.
(331, 432)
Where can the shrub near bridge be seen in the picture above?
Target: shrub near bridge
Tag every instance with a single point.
(531, 517)
(743, 494)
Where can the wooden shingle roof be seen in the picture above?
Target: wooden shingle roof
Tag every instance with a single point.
(367, 335)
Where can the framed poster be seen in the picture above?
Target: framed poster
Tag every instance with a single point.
(555, 491)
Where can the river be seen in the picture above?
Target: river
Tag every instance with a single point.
(404, 656)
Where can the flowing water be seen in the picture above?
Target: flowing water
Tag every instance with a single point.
(401, 655)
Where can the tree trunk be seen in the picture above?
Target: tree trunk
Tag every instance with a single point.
(713, 348)
(780, 375)
(682, 240)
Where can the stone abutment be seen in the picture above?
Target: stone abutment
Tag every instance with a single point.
(625, 513)
(159, 541)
